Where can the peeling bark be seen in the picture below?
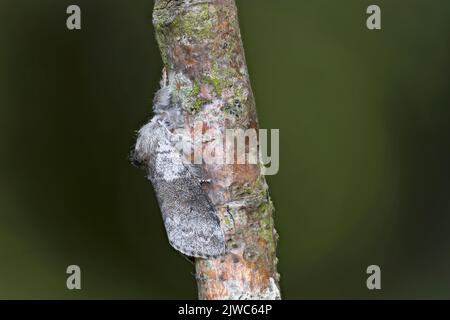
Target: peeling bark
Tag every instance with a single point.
(202, 51)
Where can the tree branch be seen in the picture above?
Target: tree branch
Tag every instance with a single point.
(202, 51)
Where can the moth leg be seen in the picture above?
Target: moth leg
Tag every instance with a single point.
(190, 259)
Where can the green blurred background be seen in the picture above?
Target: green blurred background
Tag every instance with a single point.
(364, 175)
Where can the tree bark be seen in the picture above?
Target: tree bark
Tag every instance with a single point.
(202, 51)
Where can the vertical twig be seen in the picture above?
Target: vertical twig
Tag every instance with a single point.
(201, 47)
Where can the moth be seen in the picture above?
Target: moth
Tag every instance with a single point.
(189, 216)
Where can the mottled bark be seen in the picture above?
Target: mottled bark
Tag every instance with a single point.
(203, 54)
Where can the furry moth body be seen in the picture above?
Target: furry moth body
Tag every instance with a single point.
(190, 218)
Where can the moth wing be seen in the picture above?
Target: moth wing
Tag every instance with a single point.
(190, 219)
(189, 216)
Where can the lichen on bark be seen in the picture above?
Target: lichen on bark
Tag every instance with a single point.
(202, 51)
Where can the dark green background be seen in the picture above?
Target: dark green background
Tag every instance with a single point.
(364, 175)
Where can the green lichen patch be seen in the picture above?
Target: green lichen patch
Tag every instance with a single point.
(195, 24)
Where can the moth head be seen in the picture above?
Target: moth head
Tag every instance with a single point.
(136, 160)
(141, 153)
